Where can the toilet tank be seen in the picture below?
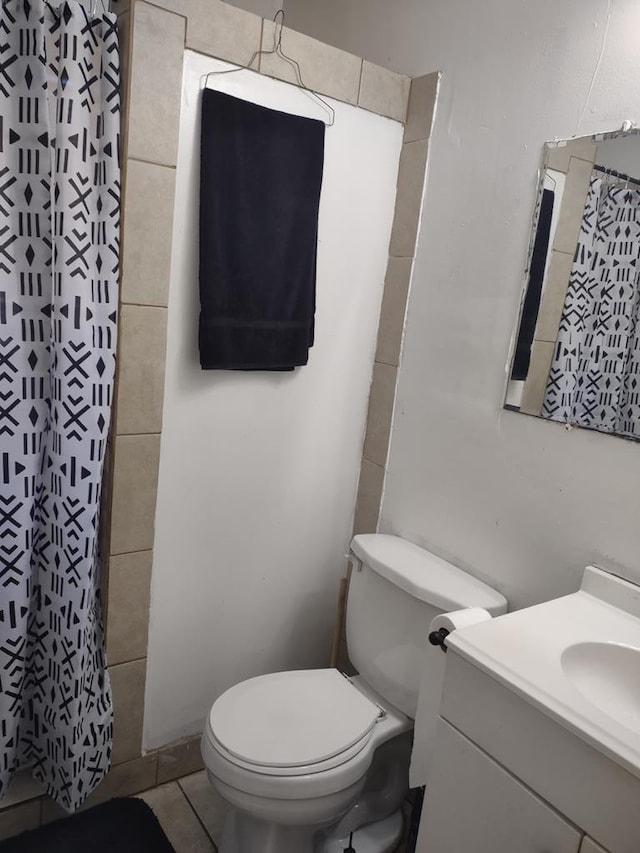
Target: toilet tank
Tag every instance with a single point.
(396, 589)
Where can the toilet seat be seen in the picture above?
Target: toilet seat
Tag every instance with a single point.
(292, 723)
(292, 772)
(300, 782)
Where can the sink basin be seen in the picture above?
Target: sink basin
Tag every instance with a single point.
(608, 676)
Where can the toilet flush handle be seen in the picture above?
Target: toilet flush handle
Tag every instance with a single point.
(437, 638)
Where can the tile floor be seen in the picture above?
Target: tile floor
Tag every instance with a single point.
(191, 813)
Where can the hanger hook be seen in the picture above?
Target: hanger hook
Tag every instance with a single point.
(277, 38)
(278, 20)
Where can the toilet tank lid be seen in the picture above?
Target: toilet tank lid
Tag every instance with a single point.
(424, 575)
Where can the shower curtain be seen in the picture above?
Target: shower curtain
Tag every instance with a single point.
(59, 199)
(594, 379)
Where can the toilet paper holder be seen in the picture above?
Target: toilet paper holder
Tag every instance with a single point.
(437, 638)
(444, 623)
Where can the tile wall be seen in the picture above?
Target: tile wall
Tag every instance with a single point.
(153, 39)
(575, 161)
(402, 249)
(411, 179)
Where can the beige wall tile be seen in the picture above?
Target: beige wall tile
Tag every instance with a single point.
(383, 388)
(422, 105)
(558, 157)
(177, 819)
(156, 84)
(135, 482)
(369, 495)
(148, 221)
(121, 781)
(584, 148)
(17, 819)
(128, 608)
(576, 186)
(536, 382)
(383, 91)
(142, 346)
(179, 759)
(324, 68)
(392, 313)
(180, 7)
(413, 161)
(127, 687)
(224, 31)
(553, 296)
(127, 779)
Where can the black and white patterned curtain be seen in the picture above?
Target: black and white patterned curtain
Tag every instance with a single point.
(595, 372)
(59, 230)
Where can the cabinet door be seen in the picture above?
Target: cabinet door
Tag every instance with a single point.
(590, 846)
(473, 805)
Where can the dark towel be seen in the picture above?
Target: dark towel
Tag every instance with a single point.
(260, 179)
(531, 306)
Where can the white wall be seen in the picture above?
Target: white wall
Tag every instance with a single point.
(258, 471)
(519, 500)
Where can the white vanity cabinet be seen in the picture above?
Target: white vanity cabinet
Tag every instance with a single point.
(507, 778)
(473, 805)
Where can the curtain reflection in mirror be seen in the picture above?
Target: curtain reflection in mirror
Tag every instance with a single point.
(594, 379)
(576, 358)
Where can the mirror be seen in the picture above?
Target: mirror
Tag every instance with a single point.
(576, 357)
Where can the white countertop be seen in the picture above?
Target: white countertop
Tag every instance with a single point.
(523, 650)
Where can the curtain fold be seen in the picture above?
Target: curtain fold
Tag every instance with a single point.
(594, 379)
(59, 236)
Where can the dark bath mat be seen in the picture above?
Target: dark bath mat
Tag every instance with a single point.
(117, 826)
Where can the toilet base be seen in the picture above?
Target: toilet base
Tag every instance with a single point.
(383, 836)
(243, 834)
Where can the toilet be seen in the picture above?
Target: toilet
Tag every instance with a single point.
(305, 758)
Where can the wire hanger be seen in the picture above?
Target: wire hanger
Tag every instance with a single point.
(277, 51)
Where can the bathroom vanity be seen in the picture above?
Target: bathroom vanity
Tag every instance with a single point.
(538, 746)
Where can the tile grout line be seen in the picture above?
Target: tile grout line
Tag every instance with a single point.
(153, 163)
(360, 81)
(193, 809)
(163, 9)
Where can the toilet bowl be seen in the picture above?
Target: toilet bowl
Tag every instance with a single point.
(298, 771)
(307, 757)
